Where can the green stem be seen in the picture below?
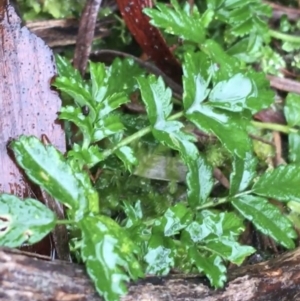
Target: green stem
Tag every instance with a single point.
(213, 203)
(136, 136)
(127, 140)
(274, 127)
(284, 37)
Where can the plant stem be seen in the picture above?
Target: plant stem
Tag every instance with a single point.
(213, 203)
(284, 37)
(274, 127)
(127, 140)
(136, 136)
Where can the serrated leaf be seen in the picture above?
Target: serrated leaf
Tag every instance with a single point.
(65, 69)
(168, 132)
(243, 17)
(110, 103)
(83, 122)
(183, 23)
(232, 94)
(199, 180)
(109, 255)
(212, 266)
(134, 213)
(106, 127)
(244, 170)
(77, 90)
(86, 157)
(156, 97)
(127, 156)
(45, 166)
(99, 81)
(267, 218)
(225, 65)
(281, 183)
(160, 255)
(119, 81)
(247, 49)
(262, 96)
(222, 124)
(26, 221)
(228, 249)
(212, 225)
(174, 219)
(197, 70)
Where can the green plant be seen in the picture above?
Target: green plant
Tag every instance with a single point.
(194, 233)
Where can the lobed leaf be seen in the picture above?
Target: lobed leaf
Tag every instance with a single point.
(180, 22)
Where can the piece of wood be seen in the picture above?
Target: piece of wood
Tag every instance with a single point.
(27, 278)
(149, 37)
(63, 32)
(28, 105)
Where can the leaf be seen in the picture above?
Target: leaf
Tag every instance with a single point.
(262, 96)
(203, 114)
(199, 180)
(244, 170)
(110, 103)
(248, 48)
(26, 221)
(174, 219)
(228, 249)
(86, 157)
(267, 218)
(280, 183)
(168, 132)
(45, 166)
(292, 115)
(126, 155)
(178, 22)
(232, 94)
(156, 97)
(160, 255)
(99, 81)
(225, 66)
(109, 256)
(212, 266)
(198, 70)
(212, 225)
(222, 124)
(65, 69)
(217, 233)
(119, 81)
(107, 126)
(242, 91)
(294, 146)
(77, 90)
(84, 123)
(243, 17)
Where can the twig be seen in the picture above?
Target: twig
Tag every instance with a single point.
(86, 34)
